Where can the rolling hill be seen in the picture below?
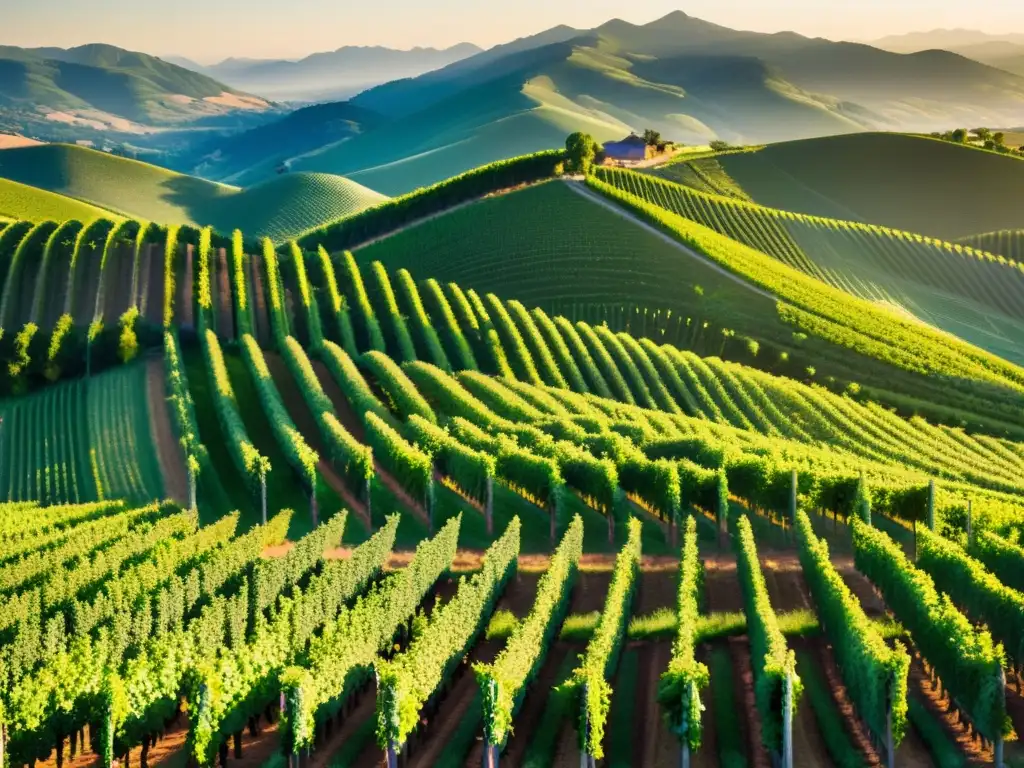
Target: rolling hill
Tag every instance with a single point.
(893, 180)
(20, 201)
(970, 293)
(690, 79)
(333, 75)
(280, 208)
(104, 88)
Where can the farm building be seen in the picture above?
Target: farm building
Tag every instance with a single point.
(632, 147)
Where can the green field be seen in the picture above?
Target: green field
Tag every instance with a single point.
(20, 201)
(280, 208)
(893, 180)
(1007, 242)
(972, 294)
(81, 441)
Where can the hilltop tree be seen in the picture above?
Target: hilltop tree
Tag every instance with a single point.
(959, 136)
(652, 138)
(998, 138)
(581, 149)
(982, 134)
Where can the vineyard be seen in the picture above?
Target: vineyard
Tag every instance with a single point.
(959, 288)
(488, 493)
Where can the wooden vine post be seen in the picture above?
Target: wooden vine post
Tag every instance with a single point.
(998, 761)
(787, 722)
(684, 730)
(890, 748)
(792, 500)
(585, 758)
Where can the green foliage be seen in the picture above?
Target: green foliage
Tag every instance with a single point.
(875, 674)
(352, 384)
(350, 231)
(347, 453)
(459, 348)
(403, 397)
(370, 335)
(427, 338)
(472, 471)
(410, 466)
(512, 341)
(170, 272)
(279, 323)
(249, 462)
(408, 680)
(128, 341)
(541, 354)
(399, 341)
(503, 682)
(580, 150)
(966, 659)
(204, 276)
(302, 458)
(341, 659)
(239, 284)
(680, 685)
(590, 680)
(979, 592)
(772, 661)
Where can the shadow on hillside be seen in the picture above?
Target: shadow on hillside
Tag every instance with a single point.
(203, 201)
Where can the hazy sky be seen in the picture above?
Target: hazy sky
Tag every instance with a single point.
(210, 30)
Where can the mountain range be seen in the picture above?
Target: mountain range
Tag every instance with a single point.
(1003, 51)
(688, 78)
(332, 75)
(103, 88)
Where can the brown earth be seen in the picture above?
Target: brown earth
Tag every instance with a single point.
(169, 452)
(259, 301)
(184, 310)
(225, 303)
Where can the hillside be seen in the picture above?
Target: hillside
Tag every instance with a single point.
(687, 78)
(335, 75)
(19, 201)
(905, 182)
(279, 208)
(104, 88)
(259, 152)
(970, 293)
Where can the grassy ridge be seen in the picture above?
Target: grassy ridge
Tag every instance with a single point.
(280, 208)
(20, 201)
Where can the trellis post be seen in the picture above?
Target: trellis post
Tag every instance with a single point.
(684, 729)
(787, 722)
(263, 495)
(584, 754)
(998, 761)
(890, 748)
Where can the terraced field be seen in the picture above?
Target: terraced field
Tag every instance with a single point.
(497, 493)
(965, 291)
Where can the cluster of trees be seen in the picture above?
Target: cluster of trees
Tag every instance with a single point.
(994, 141)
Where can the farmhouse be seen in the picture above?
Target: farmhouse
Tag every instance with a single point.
(632, 147)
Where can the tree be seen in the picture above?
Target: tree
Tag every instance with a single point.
(719, 146)
(982, 134)
(999, 138)
(581, 149)
(652, 137)
(960, 136)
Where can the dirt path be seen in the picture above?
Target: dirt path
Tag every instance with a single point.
(435, 737)
(581, 189)
(154, 285)
(172, 462)
(225, 303)
(184, 311)
(920, 687)
(259, 300)
(722, 587)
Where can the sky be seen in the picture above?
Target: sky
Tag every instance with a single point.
(211, 30)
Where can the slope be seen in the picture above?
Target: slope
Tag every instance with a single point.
(971, 293)
(911, 183)
(279, 208)
(529, 101)
(337, 74)
(19, 201)
(568, 254)
(106, 87)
